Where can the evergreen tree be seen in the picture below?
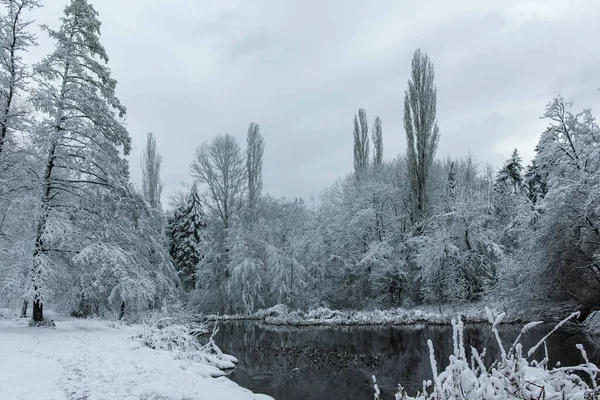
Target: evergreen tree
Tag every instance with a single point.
(186, 230)
(535, 180)
(508, 193)
(511, 174)
(83, 137)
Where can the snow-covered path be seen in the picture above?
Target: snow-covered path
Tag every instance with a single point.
(92, 360)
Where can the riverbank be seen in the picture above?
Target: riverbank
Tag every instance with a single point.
(433, 315)
(100, 360)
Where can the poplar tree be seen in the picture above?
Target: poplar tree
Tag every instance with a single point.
(254, 156)
(151, 162)
(422, 133)
(377, 133)
(361, 141)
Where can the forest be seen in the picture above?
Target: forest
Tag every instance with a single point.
(400, 230)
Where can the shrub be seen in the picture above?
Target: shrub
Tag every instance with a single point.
(514, 376)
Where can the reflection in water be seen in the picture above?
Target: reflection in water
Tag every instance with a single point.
(338, 362)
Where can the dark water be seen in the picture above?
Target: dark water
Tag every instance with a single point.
(291, 363)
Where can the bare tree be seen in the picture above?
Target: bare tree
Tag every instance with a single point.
(361, 141)
(151, 183)
(377, 142)
(254, 155)
(220, 166)
(422, 131)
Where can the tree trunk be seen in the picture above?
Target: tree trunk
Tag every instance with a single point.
(24, 308)
(38, 250)
(122, 313)
(38, 310)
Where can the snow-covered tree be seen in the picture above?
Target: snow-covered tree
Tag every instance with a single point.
(361, 142)
(244, 288)
(458, 254)
(82, 134)
(565, 248)
(511, 202)
(15, 39)
(151, 183)
(286, 241)
(511, 175)
(16, 161)
(186, 231)
(220, 166)
(377, 137)
(535, 180)
(422, 133)
(359, 219)
(124, 266)
(255, 148)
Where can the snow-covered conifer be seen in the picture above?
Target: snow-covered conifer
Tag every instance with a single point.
(82, 133)
(186, 230)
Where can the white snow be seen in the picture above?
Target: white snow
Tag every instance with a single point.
(94, 360)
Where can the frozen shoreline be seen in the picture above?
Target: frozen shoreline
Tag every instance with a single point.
(282, 315)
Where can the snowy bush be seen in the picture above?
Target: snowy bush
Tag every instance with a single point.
(187, 342)
(279, 315)
(514, 376)
(46, 323)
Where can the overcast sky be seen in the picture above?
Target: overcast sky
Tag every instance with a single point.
(189, 70)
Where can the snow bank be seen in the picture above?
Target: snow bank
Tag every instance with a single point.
(514, 376)
(436, 315)
(98, 360)
(282, 315)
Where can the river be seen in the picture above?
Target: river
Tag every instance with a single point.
(337, 362)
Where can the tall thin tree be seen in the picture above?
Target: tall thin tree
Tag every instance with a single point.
(151, 162)
(422, 133)
(254, 161)
(377, 142)
(361, 141)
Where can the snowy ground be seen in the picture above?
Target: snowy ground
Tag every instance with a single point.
(93, 360)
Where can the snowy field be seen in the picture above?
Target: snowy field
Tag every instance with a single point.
(94, 360)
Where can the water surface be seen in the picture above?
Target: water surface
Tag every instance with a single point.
(337, 362)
